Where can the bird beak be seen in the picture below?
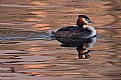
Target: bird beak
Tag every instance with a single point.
(91, 21)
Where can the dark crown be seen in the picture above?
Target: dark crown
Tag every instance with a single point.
(83, 16)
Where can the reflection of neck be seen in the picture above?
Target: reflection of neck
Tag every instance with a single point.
(82, 53)
(81, 50)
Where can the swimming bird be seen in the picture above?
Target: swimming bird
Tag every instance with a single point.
(82, 30)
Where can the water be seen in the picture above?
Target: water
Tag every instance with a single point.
(29, 53)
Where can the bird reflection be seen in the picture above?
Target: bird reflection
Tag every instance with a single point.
(82, 53)
(80, 44)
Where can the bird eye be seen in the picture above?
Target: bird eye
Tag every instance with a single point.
(87, 20)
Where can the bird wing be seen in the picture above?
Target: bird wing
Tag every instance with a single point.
(73, 32)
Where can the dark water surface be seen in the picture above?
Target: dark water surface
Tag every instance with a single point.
(28, 53)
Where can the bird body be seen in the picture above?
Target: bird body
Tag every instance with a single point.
(82, 30)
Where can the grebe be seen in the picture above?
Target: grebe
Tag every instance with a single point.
(82, 30)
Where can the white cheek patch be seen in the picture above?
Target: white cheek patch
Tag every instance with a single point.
(85, 20)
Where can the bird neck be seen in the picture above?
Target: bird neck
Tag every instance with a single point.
(80, 23)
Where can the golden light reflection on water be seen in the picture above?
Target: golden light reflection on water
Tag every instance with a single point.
(33, 49)
(34, 19)
(35, 67)
(41, 27)
(39, 13)
(38, 3)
